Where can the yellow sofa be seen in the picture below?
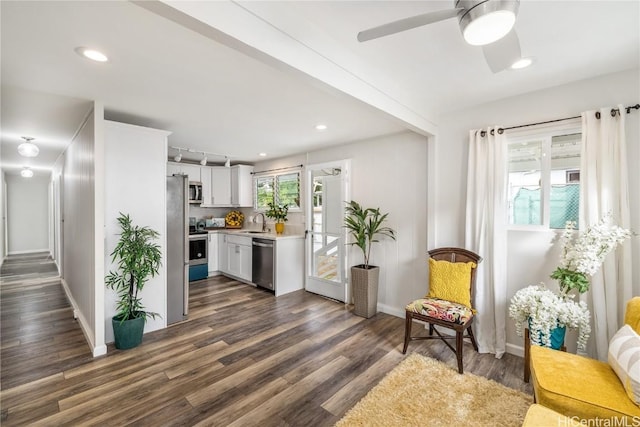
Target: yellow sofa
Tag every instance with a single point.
(581, 387)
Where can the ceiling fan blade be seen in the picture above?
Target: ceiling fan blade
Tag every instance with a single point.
(501, 54)
(407, 24)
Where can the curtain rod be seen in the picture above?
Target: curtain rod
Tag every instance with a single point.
(277, 169)
(614, 111)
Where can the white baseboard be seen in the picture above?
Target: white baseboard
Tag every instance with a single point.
(84, 325)
(391, 310)
(516, 350)
(31, 251)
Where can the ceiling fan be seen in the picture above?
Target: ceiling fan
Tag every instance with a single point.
(486, 23)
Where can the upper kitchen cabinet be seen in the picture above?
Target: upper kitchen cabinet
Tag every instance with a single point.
(242, 186)
(193, 171)
(216, 186)
(174, 169)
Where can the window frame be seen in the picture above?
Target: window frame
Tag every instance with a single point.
(545, 133)
(276, 191)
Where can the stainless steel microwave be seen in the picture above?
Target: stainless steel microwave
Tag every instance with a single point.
(195, 192)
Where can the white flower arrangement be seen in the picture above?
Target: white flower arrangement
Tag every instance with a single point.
(548, 311)
(581, 257)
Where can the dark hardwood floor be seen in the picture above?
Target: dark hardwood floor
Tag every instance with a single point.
(244, 358)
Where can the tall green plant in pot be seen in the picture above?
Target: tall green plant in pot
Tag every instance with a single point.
(138, 259)
(365, 225)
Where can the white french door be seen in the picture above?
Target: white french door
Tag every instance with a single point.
(327, 188)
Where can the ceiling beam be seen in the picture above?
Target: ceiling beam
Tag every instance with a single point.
(239, 28)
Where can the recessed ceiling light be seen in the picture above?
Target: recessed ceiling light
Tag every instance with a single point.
(26, 172)
(321, 127)
(92, 54)
(262, 154)
(522, 63)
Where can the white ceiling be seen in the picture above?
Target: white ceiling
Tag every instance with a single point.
(218, 99)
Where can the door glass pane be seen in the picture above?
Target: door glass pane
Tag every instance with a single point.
(525, 172)
(326, 246)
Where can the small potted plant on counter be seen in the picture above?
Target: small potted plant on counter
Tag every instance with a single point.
(364, 226)
(137, 259)
(278, 213)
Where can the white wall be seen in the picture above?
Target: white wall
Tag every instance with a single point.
(27, 214)
(79, 226)
(531, 256)
(390, 173)
(135, 184)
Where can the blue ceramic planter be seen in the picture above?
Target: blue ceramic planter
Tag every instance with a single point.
(127, 334)
(557, 336)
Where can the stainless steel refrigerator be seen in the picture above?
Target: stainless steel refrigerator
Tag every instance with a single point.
(177, 248)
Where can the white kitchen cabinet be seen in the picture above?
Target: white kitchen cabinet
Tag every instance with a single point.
(223, 258)
(237, 257)
(220, 186)
(205, 176)
(242, 186)
(174, 169)
(193, 171)
(213, 254)
(288, 265)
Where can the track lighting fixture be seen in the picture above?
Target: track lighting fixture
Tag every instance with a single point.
(28, 148)
(205, 156)
(26, 172)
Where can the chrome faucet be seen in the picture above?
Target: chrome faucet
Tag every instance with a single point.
(264, 223)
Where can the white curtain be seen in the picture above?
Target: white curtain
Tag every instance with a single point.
(486, 235)
(604, 189)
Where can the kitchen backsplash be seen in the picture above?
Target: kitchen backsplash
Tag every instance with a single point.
(294, 225)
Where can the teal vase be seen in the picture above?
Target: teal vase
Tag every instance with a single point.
(557, 335)
(127, 334)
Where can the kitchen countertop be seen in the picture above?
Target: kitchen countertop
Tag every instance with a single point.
(258, 234)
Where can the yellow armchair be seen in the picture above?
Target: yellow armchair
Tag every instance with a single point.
(581, 387)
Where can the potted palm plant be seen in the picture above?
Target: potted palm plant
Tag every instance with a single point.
(137, 258)
(278, 213)
(364, 226)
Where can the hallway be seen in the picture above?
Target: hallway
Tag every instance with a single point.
(40, 337)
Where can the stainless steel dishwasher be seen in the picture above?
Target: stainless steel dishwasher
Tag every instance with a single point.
(262, 263)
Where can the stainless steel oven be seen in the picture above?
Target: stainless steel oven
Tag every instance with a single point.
(197, 249)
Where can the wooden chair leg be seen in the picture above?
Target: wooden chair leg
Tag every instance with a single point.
(407, 332)
(459, 350)
(473, 339)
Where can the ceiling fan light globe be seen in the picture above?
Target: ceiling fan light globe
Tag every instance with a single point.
(522, 63)
(28, 149)
(488, 28)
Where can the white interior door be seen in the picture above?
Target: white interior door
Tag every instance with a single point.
(326, 190)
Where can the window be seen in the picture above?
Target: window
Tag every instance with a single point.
(280, 189)
(544, 179)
